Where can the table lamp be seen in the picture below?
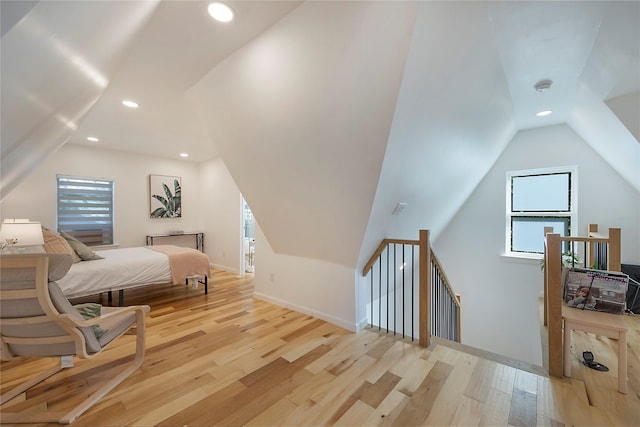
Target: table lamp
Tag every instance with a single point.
(17, 234)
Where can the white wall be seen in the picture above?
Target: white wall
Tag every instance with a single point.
(442, 118)
(500, 295)
(221, 216)
(35, 196)
(319, 288)
(212, 203)
(301, 116)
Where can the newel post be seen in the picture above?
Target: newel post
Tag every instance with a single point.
(553, 272)
(547, 230)
(613, 263)
(593, 229)
(425, 285)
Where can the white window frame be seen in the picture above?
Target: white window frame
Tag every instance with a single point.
(76, 230)
(572, 214)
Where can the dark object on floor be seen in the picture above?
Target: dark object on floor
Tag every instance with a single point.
(588, 361)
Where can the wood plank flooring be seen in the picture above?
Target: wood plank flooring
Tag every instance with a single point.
(228, 359)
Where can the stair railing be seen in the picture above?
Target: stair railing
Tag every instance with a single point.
(410, 295)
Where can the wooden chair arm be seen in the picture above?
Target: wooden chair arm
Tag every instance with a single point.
(72, 321)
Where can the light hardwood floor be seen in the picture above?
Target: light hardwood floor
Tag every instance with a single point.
(229, 359)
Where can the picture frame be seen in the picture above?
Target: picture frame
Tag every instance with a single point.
(165, 196)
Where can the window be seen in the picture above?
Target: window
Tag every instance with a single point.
(85, 209)
(537, 199)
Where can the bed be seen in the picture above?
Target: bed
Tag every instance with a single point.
(127, 268)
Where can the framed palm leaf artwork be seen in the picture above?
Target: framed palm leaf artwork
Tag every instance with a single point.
(165, 199)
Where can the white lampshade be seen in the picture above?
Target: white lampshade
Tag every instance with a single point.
(21, 232)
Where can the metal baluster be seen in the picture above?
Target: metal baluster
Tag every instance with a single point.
(394, 281)
(395, 274)
(380, 292)
(371, 277)
(435, 301)
(413, 275)
(403, 275)
(431, 302)
(438, 327)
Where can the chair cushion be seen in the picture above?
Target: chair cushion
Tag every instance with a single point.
(59, 265)
(63, 306)
(23, 278)
(115, 327)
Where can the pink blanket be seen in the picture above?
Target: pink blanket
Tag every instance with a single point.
(184, 261)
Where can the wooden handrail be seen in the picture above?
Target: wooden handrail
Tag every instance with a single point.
(435, 259)
(445, 279)
(584, 239)
(381, 247)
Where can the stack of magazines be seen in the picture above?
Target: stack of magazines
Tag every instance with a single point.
(596, 290)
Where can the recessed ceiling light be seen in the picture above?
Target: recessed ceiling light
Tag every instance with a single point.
(220, 12)
(184, 155)
(544, 113)
(130, 104)
(92, 138)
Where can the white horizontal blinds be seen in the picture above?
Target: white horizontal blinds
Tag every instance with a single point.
(85, 209)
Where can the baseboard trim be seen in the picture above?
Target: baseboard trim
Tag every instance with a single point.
(326, 317)
(362, 324)
(225, 268)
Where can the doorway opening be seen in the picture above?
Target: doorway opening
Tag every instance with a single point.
(249, 236)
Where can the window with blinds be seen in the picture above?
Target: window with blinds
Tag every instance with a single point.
(85, 209)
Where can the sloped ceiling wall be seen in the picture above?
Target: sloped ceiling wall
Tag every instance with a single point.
(301, 117)
(449, 126)
(313, 97)
(607, 101)
(463, 98)
(53, 72)
(627, 110)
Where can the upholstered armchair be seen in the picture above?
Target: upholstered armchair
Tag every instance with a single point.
(36, 320)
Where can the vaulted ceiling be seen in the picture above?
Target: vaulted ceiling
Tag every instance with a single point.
(325, 113)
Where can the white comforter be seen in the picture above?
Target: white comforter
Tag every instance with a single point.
(120, 269)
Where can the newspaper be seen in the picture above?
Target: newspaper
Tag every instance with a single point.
(596, 290)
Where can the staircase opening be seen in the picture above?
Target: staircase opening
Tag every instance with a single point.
(409, 293)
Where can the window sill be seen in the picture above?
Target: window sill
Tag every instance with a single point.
(532, 259)
(105, 247)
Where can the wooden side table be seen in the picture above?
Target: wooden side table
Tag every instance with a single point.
(595, 322)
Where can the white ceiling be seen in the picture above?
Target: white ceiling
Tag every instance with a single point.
(174, 50)
(179, 43)
(466, 87)
(172, 47)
